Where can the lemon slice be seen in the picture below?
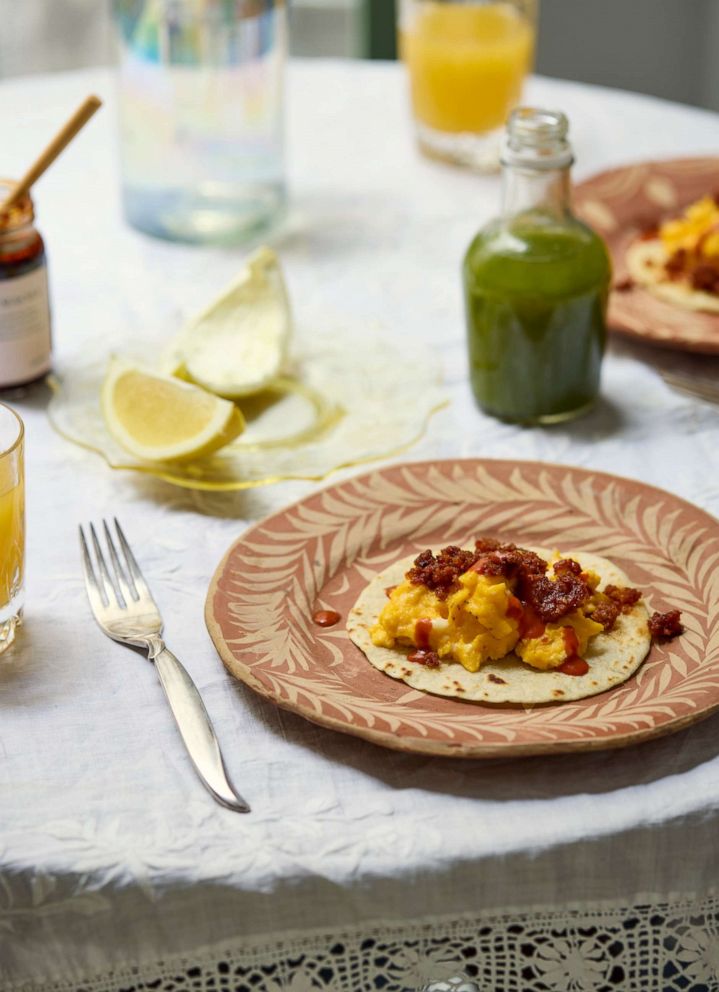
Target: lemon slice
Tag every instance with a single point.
(158, 418)
(238, 345)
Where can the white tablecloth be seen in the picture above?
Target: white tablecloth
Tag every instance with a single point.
(359, 867)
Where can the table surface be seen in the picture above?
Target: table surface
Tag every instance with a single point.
(110, 850)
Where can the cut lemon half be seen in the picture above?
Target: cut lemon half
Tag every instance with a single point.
(238, 344)
(158, 418)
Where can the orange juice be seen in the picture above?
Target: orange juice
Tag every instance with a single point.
(466, 64)
(12, 542)
(12, 523)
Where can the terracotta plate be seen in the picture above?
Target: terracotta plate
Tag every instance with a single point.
(320, 552)
(621, 203)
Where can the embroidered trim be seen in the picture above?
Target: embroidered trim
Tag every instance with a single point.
(667, 946)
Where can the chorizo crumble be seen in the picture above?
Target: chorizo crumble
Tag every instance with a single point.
(440, 572)
(606, 612)
(625, 597)
(430, 659)
(665, 626)
(550, 599)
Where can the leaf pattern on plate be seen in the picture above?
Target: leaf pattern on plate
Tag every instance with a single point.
(323, 550)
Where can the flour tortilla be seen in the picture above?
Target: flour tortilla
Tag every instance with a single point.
(612, 657)
(645, 263)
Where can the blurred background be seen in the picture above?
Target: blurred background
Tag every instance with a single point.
(662, 47)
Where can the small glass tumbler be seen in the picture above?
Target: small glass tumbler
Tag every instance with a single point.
(201, 87)
(466, 61)
(12, 523)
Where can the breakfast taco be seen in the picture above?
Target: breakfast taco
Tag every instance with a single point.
(679, 260)
(502, 624)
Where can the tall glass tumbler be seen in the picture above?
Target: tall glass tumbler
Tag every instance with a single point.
(12, 523)
(201, 116)
(466, 61)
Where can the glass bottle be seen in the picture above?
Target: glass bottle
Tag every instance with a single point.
(536, 284)
(25, 342)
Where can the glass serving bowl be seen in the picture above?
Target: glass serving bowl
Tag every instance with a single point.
(329, 413)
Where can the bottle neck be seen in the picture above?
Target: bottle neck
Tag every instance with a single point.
(545, 190)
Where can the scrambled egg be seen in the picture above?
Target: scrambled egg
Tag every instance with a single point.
(696, 231)
(469, 626)
(550, 650)
(479, 621)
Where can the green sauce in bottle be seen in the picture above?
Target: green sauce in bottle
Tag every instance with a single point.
(536, 286)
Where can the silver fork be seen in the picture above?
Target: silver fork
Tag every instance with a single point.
(125, 610)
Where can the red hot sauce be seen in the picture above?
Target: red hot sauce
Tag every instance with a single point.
(573, 664)
(422, 630)
(530, 624)
(325, 618)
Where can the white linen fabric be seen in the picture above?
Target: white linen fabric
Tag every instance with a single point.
(116, 868)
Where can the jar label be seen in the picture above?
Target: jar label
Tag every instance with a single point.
(25, 342)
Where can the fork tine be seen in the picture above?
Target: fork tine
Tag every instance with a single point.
(136, 576)
(94, 591)
(109, 588)
(128, 594)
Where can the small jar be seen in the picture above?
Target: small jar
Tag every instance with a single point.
(536, 285)
(25, 340)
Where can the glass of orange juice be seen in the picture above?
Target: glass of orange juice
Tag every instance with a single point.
(467, 60)
(12, 523)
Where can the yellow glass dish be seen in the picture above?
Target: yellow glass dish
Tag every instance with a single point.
(331, 413)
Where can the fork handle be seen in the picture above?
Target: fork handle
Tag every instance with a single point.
(195, 727)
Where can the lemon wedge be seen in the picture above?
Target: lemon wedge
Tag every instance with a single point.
(238, 344)
(158, 418)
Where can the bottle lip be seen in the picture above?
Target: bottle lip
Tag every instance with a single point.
(20, 214)
(537, 138)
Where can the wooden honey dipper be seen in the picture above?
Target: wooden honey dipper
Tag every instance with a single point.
(45, 159)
